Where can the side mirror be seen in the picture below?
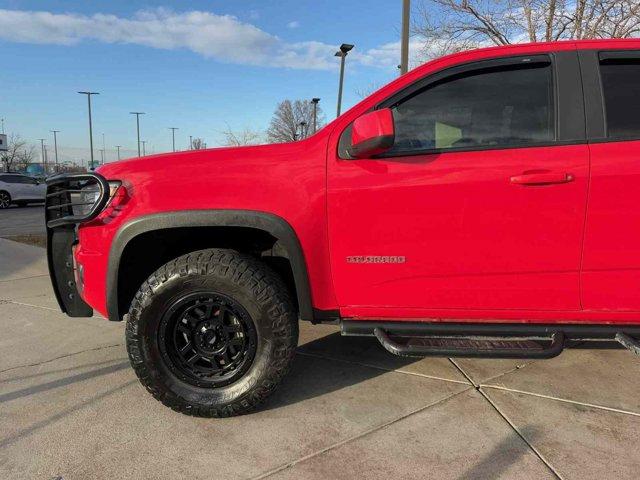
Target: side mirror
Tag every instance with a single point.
(372, 134)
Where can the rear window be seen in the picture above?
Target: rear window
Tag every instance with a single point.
(621, 89)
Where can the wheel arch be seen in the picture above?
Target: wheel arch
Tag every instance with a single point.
(268, 223)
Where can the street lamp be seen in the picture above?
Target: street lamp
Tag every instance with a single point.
(55, 145)
(118, 147)
(404, 44)
(44, 161)
(342, 53)
(88, 94)
(302, 132)
(315, 101)
(137, 114)
(144, 150)
(173, 136)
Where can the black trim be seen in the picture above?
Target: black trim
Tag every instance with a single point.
(619, 55)
(570, 112)
(61, 271)
(383, 142)
(272, 224)
(572, 331)
(593, 99)
(326, 316)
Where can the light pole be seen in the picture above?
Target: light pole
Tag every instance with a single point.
(144, 150)
(315, 113)
(55, 145)
(173, 136)
(302, 124)
(104, 149)
(118, 147)
(88, 94)
(190, 142)
(101, 156)
(2, 121)
(44, 162)
(404, 48)
(342, 53)
(137, 114)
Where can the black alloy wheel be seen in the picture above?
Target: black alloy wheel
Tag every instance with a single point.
(207, 339)
(5, 200)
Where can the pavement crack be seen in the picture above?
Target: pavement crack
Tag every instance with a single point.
(524, 439)
(357, 436)
(61, 356)
(564, 400)
(13, 302)
(536, 452)
(24, 278)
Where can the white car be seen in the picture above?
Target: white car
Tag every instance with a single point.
(20, 189)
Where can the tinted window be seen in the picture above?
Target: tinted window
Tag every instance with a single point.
(621, 86)
(10, 178)
(27, 180)
(482, 109)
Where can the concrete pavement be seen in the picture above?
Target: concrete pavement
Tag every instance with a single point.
(71, 407)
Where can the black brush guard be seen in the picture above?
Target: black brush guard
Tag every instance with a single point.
(63, 196)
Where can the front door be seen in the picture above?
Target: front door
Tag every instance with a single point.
(479, 205)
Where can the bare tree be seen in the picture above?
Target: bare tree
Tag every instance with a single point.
(197, 144)
(364, 92)
(292, 121)
(18, 155)
(246, 136)
(452, 25)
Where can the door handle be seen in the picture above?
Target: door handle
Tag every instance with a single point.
(547, 178)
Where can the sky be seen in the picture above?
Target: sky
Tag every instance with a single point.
(201, 66)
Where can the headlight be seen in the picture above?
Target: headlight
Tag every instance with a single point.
(90, 195)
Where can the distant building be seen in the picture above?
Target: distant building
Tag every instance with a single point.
(3, 143)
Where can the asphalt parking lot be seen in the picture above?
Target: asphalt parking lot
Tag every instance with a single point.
(27, 220)
(71, 408)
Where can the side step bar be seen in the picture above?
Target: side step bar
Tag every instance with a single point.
(473, 347)
(628, 342)
(490, 340)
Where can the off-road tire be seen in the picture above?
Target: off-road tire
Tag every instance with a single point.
(253, 285)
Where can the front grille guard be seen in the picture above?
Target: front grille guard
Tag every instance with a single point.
(64, 197)
(64, 194)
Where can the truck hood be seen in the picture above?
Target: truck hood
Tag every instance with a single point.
(202, 162)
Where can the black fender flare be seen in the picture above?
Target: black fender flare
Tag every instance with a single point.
(270, 223)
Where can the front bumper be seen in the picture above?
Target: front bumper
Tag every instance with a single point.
(63, 194)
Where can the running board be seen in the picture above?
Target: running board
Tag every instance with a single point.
(470, 346)
(629, 343)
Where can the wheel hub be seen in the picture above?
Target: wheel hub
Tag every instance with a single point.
(207, 339)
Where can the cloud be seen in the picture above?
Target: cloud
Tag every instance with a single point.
(294, 24)
(221, 37)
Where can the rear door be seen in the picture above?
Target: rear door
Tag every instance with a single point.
(611, 264)
(480, 204)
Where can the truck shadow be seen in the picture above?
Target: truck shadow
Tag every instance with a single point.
(503, 456)
(331, 363)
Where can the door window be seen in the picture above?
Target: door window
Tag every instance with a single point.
(621, 89)
(489, 108)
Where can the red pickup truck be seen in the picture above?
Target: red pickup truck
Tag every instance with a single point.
(484, 204)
